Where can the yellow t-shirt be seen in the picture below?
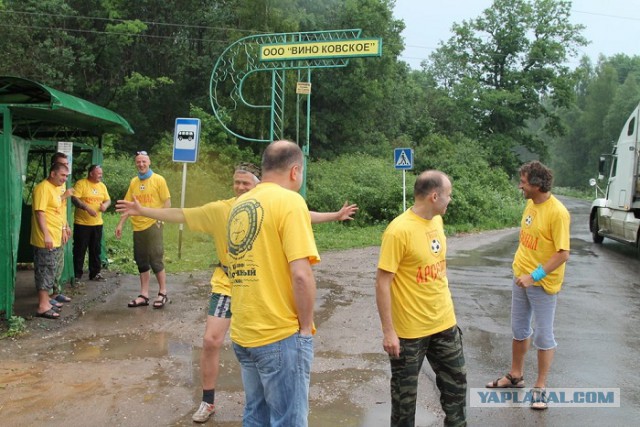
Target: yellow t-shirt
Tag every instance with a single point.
(212, 219)
(544, 230)
(414, 249)
(268, 228)
(152, 193)
(48, 199)
(92, 194)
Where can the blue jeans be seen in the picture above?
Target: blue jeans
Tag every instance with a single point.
(533, 303)
(276, 382)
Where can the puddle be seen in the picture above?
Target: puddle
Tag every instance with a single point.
(121, 347)
(494, 254)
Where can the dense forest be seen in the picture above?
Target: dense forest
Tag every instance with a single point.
(496, 93)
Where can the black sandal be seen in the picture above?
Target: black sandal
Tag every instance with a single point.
(161, 302)
(513, 382)
(134, 303)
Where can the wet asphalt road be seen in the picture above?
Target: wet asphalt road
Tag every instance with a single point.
(596, 325)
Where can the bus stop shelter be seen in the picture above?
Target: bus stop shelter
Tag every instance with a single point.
(35, 118)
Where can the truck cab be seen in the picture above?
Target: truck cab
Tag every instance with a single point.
(617, 215)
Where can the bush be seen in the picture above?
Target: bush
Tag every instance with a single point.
(371, 182)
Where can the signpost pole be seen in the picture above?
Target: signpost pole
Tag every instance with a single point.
(404, 190)
(182, 196)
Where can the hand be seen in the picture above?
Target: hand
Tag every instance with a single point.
(128, 208)
(391, 344)
(118, 232)
(68, 193)
(347, 211)
(91, 212)
(524, 281)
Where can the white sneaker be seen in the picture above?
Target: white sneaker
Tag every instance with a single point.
(204, 412)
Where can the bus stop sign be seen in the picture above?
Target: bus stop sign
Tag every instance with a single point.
(185, 140)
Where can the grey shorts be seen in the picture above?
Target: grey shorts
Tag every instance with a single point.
(45, 267)
(220, 306)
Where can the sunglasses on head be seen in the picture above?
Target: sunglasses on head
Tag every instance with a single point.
(141, 153)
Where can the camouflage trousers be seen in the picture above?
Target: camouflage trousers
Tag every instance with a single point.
(445, 355)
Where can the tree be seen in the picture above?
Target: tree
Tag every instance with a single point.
(499, 66)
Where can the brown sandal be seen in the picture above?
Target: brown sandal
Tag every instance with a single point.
(135, 303)
(161, 302)
(513, 382)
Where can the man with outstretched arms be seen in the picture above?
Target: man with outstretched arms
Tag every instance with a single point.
(271, 250)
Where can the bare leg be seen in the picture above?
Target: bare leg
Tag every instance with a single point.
(144, 283)
(215, 330)
(161, 276)
(545, 358)
(43, 301)
(518, 352)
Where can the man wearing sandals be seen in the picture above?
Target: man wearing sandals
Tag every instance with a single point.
(538, 269)
(415, 306)
(212, 219)
(48, 235)
(150, 189)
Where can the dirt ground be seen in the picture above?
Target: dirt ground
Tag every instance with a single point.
(106, 364)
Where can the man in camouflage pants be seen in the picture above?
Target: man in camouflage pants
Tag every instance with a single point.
(415, 305)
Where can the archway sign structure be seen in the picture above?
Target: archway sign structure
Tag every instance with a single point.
(280, 54)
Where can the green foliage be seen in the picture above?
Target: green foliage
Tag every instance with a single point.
(499, 66)
(483, 196)
(370, 182)
(17, 326)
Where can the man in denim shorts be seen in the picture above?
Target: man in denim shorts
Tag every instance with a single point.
(538, 269)
(211, 218)
(48, 234)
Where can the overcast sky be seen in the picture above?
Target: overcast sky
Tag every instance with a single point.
(612, 26)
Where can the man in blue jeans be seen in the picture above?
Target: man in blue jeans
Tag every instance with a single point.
(271, 250)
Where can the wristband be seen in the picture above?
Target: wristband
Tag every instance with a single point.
(538, 274)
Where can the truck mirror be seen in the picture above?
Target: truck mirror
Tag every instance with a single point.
(592, 182)
(601, 166)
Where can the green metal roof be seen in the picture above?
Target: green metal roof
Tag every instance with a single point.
(37, 109)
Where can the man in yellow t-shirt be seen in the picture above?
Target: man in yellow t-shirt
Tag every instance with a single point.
(150, 189)
(271, 249)
(48, 234)
(212, 219)
(91, 198)
(538, 270)
(415, 306)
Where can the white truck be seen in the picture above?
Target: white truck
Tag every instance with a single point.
(617, 215)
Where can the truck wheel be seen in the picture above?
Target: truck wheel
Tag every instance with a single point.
(594, 229)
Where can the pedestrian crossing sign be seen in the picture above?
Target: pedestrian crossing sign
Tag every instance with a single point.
(403, 158)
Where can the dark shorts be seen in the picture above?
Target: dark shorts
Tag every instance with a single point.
(148, 249)
(220, 306)
(45, 267)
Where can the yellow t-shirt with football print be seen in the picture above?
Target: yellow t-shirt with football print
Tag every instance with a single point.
(269, 227)
(212, 219)
(152, 193)
(92, 194)
(414, 249)
(48, 199)
(544, 230)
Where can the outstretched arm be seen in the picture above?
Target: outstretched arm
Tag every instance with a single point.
(134, 208)
(346, 213)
